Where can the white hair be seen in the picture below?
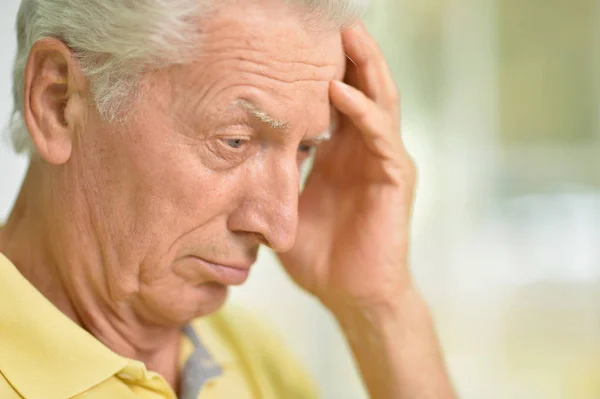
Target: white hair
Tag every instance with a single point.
(116, 40)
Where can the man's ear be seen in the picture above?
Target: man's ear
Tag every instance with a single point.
(54, 99)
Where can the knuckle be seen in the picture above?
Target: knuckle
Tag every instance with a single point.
(409, 167)
(394, 98)
(361, 59)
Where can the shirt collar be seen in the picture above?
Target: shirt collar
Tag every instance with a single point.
(43, 353)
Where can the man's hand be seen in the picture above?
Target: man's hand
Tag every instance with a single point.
(354, 211)
(352, 243)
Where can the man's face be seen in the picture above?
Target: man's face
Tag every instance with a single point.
(207, 166)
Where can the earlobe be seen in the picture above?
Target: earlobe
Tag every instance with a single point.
(50, 93)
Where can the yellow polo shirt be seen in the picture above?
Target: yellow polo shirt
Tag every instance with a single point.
(45, 355)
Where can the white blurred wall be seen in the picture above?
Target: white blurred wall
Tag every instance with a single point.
(12, 167)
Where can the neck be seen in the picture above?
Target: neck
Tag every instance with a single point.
(43, 239)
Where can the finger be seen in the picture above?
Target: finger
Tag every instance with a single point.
(376, 60)
(367, 68)
(376, 127)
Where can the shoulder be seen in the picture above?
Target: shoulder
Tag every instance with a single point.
(260, 350)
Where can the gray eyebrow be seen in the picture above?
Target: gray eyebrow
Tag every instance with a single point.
(261, 115)
(277, 124)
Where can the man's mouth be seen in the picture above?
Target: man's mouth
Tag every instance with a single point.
(230, 273)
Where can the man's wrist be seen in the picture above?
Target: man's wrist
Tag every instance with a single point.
(395, 346)
(377, 313)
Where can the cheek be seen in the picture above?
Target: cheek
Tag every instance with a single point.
(174, 184)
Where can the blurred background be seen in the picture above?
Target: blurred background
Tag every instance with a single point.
(500, 110)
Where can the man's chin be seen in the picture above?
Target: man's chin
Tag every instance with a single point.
(180, 308)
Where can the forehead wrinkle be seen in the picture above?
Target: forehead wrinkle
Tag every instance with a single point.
(257, 55)
(261, 115)
(276, 63)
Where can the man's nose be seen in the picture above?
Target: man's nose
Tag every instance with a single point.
(270, 208)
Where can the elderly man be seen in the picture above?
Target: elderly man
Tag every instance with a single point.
(165, 140)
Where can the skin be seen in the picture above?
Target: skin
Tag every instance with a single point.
(127, 216)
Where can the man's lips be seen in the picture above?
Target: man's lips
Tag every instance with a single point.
(234, 273)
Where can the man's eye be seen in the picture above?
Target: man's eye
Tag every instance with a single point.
(305, 148)
(235, 143)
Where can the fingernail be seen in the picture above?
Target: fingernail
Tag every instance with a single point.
(347, 91)
(343, 86)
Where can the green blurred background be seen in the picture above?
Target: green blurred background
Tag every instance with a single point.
(500, 101)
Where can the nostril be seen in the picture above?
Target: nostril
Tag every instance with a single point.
(261, 239)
